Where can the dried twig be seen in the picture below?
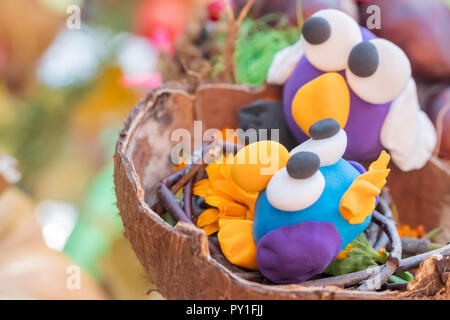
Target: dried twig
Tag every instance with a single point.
(414, 262)
(189, 174)
(171, 204)
(413, 246)
(187, 199)
(372, 233)
(232, 36)
(396, 286)
(379, 278)
(383, 239)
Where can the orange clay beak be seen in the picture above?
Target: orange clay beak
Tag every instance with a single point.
(327, 96)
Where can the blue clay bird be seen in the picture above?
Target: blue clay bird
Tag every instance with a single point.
(313, 207)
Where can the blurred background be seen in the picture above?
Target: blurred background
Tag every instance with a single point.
(71, 70)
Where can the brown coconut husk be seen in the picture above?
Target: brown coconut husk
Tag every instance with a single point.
(178, 259)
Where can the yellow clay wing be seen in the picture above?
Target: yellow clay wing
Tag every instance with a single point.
(358, 202)
(236, 241)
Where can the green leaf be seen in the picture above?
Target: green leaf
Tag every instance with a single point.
(395, 279)
(351, 264)
(361, 256)
(406, 276)
(168, 218)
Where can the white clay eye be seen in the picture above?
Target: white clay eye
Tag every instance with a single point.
(328, 37)
(329, 150)
(378, 71)
(297, 186)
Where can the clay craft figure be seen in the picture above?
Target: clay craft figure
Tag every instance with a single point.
(343, 71)
(307, 211)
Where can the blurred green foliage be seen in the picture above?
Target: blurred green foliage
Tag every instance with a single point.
(258, 42)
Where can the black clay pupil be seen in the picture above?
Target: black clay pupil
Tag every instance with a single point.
(303, 165)
(363, 60)
(316, 30)
(324, 129)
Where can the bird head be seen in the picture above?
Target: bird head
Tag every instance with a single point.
(301, 183)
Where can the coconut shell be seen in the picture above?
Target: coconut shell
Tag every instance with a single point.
(420, 28)
(177, 259)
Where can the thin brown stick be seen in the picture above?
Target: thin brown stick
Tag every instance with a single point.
(390, 229)
(383, 239)
(382, 276)
(232, 36)
(171, 204)
(186, 177)
(244, 13)
(379, 278)
(413, 246)
(174, 177)
(396, 286)
(414, 262)
(187, 199)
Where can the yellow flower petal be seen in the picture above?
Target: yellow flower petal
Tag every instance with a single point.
(235, 210)
(208, 216)
(211, 228)
(201, 188)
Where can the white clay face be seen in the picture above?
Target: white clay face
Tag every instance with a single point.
(289, 194)
(378, 71)
(329, 150)
(328, 38)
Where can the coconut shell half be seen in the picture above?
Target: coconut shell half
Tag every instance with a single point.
(177, 259)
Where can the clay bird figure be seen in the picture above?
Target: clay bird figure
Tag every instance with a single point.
(309, 210)
(343, 71)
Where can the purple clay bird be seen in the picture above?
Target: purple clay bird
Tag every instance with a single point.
(343, 71)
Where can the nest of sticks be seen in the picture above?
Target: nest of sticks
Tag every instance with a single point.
(381, 233)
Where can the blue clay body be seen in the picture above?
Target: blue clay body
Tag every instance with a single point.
(338, 178)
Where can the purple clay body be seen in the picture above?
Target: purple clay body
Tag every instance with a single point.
(365, 119)
(293, 254)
